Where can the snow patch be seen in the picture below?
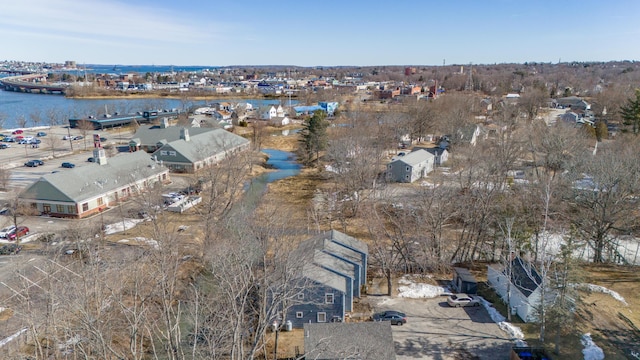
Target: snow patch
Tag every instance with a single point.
(590, 350)
(9, 339)
(414, 290)
(121, 226)
(142, 240)
(603, 290)
(513, 331)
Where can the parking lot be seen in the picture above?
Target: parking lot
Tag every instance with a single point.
(436, 331)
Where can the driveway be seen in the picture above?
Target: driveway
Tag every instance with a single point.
(436, 331)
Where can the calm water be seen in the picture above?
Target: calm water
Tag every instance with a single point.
(14, 105)
(286, 165)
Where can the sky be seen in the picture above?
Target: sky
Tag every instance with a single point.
(318, 33)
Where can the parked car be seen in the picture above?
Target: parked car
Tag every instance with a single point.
(68, 165)
(38, 161)
(23, 141)
(4, 146)
(10, 249)
(41, 134)
(5, 232)
(9, 139)
(31, 163)
(91, 159)
(16, 132)
(395, 317)
(460, 300)
(67, 137)
(79, 137)
(18, 137)
(20, 231)
(35, 141)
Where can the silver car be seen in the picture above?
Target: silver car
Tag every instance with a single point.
(5, 232)
(460, 300)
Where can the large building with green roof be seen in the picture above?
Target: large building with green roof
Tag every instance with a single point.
(92, 188)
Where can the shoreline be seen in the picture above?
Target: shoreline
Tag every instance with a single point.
(178, 96)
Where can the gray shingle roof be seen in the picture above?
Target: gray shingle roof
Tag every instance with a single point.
(205, 144)
(91, 180)
(325, 277)
(415, 157)
(361, 341)
(151, 135)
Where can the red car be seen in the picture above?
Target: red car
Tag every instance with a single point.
(16, 132)
(20, 231)
(19, 137)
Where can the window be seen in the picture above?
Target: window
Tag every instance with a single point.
(407, 177)
(328, 298)
(301, 296)
(163, 153)
(408, 169)
(71, 209)
(85, 207)
(60, 208)
(100, 201)
(322, 317)
(299, 314)
(172, 153)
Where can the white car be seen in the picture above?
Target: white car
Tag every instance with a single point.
(6, 231)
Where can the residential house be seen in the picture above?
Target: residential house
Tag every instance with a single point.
(336, 264)
(573, 102)
(523, 286)
(190, 153)
(363, 340)
(468, 135)
(272, 111)
(441, 154)
(274, 115)
(86, 190)
(411, 167)
(321, 297)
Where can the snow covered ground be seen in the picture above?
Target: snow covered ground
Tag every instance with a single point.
(602, 289)
(416, 290)
(9, 339)
(121, 226)
(141, 240)
(513, 331)
(590, 350)
(627, 246)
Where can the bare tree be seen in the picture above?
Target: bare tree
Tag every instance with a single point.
(35, 117)
(86, 127)
(21, 121)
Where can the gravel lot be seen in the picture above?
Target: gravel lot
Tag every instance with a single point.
(436, 331)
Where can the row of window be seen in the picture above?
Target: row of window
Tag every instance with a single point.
(321, 316)
(60, 209)
(328, 297)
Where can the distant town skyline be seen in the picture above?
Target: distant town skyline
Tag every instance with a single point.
(328, 33)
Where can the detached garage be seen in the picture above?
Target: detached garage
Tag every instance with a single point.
(463, 281)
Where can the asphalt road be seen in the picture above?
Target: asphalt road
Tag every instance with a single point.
(436, 331)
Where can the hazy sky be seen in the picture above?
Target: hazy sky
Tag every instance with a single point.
(328, 32)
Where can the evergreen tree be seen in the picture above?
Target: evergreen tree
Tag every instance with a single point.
(314, 136)
(631, 113)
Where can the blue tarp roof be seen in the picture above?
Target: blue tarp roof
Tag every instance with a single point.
(311, 108)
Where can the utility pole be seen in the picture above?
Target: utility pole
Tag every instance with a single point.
(69, 136)
(469, 85)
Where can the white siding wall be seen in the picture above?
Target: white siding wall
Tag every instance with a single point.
(523, 305)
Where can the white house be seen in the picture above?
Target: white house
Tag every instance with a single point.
(270, 112)
(525, 287)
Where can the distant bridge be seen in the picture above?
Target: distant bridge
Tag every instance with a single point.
(31, 83)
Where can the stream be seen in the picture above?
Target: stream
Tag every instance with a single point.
(285, 164)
